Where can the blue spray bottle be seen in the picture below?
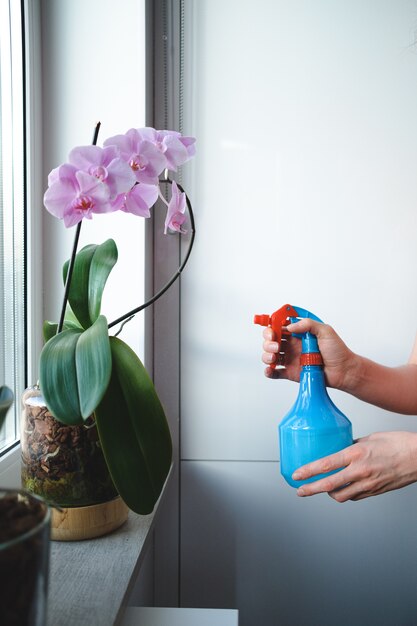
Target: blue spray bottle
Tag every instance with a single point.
(314, 427)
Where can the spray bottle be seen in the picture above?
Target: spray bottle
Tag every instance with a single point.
(314, 427)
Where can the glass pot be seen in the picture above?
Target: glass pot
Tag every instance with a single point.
(63, 464)
(24, 558)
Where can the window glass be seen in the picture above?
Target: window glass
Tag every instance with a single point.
(12, 248)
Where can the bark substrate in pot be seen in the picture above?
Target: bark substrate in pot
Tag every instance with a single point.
(65, 465)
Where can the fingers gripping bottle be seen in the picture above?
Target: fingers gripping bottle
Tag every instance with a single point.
(314, 427)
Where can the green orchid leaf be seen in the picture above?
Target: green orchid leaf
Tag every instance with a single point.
(102, 263)
(78, 294)
(75, 368)
(133, 431)
(92, 267)
(71, 318)
(58, 377)
(93, 364)
(50, 328)
(6, 401)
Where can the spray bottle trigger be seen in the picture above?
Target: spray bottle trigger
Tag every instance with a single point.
(277, 320)
(289, 314)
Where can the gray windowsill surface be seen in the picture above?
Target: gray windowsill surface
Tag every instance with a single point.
(90, 581)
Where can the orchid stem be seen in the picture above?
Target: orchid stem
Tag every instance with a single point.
(176, 275)
(74, 252)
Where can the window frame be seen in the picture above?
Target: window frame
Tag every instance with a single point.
(13, 174)
(33, 185)
(30, 15)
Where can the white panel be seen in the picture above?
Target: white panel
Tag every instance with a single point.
(305, 191)
(249, 542)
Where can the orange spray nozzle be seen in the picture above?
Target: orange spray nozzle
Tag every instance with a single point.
(262, 320)
(278, 320)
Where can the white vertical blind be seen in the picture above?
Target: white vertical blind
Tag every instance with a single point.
(12, 249)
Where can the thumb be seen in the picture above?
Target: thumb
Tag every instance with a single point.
(307, 325)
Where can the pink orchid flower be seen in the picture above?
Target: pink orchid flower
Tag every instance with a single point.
(124, 175)
(106, 165)
(189, 143)
(74, 195)
(175, 217)
(61, 172)
(138, 200)
(145, 159)
(176, 148)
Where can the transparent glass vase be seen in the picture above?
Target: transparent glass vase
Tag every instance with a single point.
(63, 464)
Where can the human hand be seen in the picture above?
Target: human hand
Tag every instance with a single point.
(339, 361)
(373, 465)
(286, 355)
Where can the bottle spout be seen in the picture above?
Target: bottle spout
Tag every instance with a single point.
(308, 343)
(262, 320)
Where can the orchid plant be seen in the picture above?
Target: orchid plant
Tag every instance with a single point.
(84, 370)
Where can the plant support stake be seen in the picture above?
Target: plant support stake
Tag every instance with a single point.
(74, 252)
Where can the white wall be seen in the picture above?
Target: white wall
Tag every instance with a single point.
(93, 70)
(305, 191)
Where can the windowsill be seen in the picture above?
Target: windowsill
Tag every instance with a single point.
(10, 469)
(90, 581)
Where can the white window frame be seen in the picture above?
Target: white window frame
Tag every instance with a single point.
(34, 185)
(29, 13)
(12, 243)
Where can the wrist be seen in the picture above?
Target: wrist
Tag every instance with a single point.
(354, 374)
(413, 455)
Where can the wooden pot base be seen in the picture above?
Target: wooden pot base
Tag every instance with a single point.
(87, 522)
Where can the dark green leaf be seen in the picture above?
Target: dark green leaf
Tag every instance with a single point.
(102, 263)
(58, 377)
(50, 328)
(75, 368)
(133, 431)
(6, 401)
(93, 363)
(92, 267)
(78, 294)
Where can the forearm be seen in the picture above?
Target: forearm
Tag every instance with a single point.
(390, 388)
